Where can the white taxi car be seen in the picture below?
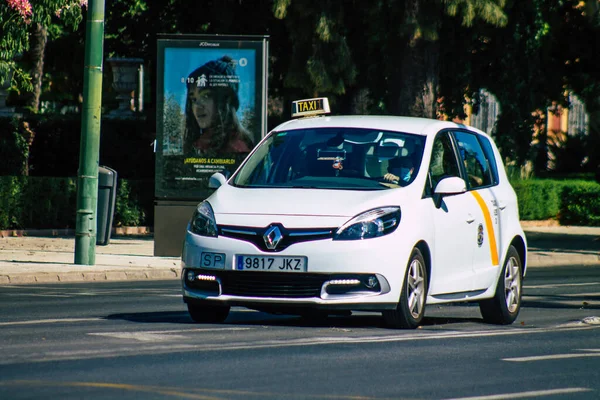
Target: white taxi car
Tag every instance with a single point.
(332, 214)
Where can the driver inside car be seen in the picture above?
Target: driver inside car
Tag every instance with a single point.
(401, 168)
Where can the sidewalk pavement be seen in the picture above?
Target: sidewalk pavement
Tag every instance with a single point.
(34, 259)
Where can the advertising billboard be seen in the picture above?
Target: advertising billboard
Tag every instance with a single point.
(211, 109)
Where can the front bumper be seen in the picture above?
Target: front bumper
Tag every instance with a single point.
(257, 289)
(344, 275)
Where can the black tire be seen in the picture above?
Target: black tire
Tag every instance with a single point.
(411, 306)
(208, 314)
(504, 307)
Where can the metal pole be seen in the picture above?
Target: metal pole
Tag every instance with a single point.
(87, 179)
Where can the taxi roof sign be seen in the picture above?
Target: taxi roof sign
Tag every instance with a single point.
(310, 107)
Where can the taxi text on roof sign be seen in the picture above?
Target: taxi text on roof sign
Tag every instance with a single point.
(310, 107)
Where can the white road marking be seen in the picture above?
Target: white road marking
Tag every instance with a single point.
(202, 330)
(592, 353)
(577, 296)
(557, 285)
(585, 321)
(50, 321)
(327, 340)
(523, 395)
(140, 336)
(161, 348)
(161, 336)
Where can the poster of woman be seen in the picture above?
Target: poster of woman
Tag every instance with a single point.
(211, 120)
(213, 110)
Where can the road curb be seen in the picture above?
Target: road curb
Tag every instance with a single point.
(92, 276)
(549, 259)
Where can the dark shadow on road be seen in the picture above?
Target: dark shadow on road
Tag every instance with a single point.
(568, 273)
(535, 304)
(583, 302)
(154, 317)
(363, 320)
(556, 241)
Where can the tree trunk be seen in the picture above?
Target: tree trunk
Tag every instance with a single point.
(417, 81)
(38, 40)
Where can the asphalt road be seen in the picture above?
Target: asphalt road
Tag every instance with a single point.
(134, 340)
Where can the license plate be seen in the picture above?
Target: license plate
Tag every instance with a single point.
(271, 263)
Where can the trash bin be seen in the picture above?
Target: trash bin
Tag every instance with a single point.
(107, 198)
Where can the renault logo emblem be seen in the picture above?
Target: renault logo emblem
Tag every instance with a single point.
(272, 237)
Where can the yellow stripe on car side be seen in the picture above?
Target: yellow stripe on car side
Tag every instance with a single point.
(489, 226)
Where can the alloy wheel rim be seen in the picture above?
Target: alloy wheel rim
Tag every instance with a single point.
(416, 288)
(512, 285)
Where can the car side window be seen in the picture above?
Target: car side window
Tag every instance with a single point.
(476, 164)
(443, 161)
(489, 153)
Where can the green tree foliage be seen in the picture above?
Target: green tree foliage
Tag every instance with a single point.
(320, 59)
(393, 48)
(576, 34)
(543, 52)
(406, 57)
(125, 38)
(20, 20)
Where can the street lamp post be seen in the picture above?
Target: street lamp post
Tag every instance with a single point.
(89, 153)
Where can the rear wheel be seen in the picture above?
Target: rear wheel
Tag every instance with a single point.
(411, 307)
(504, 307)
(208, 314)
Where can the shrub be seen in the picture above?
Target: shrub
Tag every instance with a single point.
(127, 210)
(538, 199)
(581, 205)
(28, 202)
(572, 202)
(14, 149)
(48, 202)
(10, 205)
(54, 147)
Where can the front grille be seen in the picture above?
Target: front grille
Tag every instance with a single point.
(289, 236)
(271, 284)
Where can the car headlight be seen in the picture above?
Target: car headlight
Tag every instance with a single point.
(370, 224)
(203, 221)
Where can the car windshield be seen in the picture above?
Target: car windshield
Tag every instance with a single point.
(333, 158)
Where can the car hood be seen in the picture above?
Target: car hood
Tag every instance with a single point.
(301, 202)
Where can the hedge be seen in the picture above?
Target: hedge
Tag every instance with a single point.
(571, 202)
(50, 146)
(581, 205)
(50, 203)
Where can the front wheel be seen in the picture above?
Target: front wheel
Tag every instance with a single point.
(208, 314)
(411, 307)
(504, 307)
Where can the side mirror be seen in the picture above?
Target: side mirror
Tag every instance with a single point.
(216, 180)
(448, 187)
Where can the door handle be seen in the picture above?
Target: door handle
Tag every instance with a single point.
(470, 219)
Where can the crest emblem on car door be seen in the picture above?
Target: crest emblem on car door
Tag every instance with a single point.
(272, 237)
(480, 235)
